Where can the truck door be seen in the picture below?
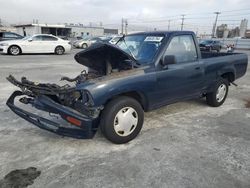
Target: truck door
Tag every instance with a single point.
(184, 78)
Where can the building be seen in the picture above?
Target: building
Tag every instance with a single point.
(247, 34)
(243, 27)
(31, 29)
(69, 30)
(220, 31)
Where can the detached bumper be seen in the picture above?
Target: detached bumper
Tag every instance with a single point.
(85, 127)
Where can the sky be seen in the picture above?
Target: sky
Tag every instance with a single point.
(141, 14)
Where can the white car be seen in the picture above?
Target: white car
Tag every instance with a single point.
(42, 43)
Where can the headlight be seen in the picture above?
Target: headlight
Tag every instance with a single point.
(4, 44)
(87, 98)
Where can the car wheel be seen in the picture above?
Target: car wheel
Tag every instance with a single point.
(59, 50)
(14, 50)
(84, 46)
(219, 95)
(122, 120)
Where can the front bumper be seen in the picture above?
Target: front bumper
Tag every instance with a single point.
(86, 129)
(4, 49)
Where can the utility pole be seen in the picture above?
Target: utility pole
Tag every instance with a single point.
(169, 24)
(122, 26)
(126, 27)
(182, 21)
(215, 23)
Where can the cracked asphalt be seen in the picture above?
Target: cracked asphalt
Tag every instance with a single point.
(187, 144)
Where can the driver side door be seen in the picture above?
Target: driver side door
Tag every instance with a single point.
(33, 45)
(184, 78)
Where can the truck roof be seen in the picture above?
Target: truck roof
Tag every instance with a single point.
(162, 32)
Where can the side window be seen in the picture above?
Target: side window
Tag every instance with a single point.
(10, 35)
(183, 48)
(37, 38)
(49, 38)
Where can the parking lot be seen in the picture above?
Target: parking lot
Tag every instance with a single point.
(187, 144)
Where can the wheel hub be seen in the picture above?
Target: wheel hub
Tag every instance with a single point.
(221, 92)
(14, 50)
(125, 121)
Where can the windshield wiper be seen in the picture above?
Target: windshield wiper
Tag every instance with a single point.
(131, 53)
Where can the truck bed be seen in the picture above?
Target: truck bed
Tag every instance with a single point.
(206, 55)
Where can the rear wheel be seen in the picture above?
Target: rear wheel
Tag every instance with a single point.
(14, 50)
(59, 50)
(219, 95)
(122, 120)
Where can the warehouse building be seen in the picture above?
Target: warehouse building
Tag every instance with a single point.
(68, 30)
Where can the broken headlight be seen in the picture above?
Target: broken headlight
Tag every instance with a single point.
(87, 99)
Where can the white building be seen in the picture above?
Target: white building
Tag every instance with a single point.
(243, 27)
(70, 30)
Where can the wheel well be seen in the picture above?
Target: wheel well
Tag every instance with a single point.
(16, 46)
(60, 46)
(135, 95)
(229, 76)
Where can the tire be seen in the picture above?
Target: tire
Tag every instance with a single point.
(122, 120)
(14, 50)
(84, 46)
(59, 50)
(219, 95)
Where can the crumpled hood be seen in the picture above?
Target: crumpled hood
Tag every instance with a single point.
(98, 55)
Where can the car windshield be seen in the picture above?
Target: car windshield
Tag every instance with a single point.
(142, 47)
(26, 38)
(206, 42)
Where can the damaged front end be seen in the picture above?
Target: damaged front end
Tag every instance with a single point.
(76, 107)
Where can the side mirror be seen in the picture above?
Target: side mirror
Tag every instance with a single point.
(30, 40)
(168, 60)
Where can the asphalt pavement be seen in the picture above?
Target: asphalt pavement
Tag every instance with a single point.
(187, 144)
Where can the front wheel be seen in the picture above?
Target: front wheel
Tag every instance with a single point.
(122, 120)
(84, 46)
(14, 50)
(219, 95)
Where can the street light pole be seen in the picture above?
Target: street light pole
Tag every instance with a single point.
(215, 23)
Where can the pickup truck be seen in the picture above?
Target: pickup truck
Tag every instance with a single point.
(142, 72)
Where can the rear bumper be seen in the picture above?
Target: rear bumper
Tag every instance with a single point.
(86, 129)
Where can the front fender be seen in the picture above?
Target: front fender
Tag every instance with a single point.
(142, 84)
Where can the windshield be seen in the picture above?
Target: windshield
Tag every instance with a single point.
(206, 42)
(142, 47)
(26, 38)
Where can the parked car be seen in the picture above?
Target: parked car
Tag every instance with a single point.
(9, 36)
(143, 72)
(210, 45)
(85, 43)
(36, 44)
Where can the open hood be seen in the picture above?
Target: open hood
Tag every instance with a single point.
(100, 56)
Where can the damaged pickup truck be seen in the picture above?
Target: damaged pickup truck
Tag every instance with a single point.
(144, 71)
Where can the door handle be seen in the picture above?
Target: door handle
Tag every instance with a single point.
(197, 68)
